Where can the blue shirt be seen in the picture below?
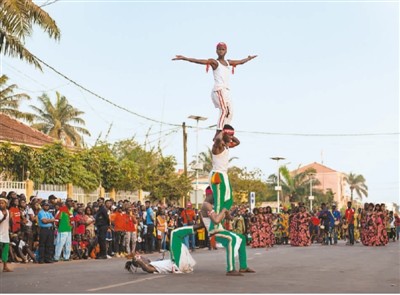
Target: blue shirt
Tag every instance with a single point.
(336, 214)
(47, 215)
(149, 215)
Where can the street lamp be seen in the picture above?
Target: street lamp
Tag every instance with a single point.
(311, 197)
(278, 187)
(197, 167)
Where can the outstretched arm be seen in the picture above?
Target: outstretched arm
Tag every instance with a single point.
(210, 61)
(234, 63)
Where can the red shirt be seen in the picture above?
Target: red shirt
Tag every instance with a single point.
(80, 227)
(119, 221)
(188, 215)
(130, 223)
(15, 216)
(314, 220)
(349, 215)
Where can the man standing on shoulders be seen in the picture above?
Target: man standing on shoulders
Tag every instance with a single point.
(219, 180)
(46, 237)
(4, 233)
(349, 216)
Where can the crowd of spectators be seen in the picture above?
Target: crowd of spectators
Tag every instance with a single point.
(52, 230)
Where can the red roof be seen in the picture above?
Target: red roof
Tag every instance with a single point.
(16, 132)
(319, 168)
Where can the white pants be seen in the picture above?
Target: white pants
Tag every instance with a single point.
(63, 244)
(221, 100)
(130, 237)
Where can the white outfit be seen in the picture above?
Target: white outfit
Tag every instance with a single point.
(220, 162)
(220, 95)
(4, 228)
(186, 263)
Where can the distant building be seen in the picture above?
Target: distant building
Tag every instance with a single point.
(18, 133)
(330, 180)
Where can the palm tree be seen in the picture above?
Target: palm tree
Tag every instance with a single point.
(357, 183)
(9, 101)
(17, 18)
(296, 185)
(55, 120)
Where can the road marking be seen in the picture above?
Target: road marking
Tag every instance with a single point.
(123, 284)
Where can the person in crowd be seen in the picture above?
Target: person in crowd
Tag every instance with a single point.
(130, 231)
(162, 230)
(102, 224)
(267, 222)
(4, 233)
(15, 214)
(26, 217)
(336, 223)
(257, 235)
(118, 222)
(357, 225)
(63, 221)
(188, 217)
(397, 225)
(52, 200)
(380, 226)
(80, 223)
(89, 222)
(149, 219)
(391, 226)
(349, 215)
(314, 227)
(46, 239)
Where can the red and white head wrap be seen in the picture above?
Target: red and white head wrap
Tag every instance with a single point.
(222, 44)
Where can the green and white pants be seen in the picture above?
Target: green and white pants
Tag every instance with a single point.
(177, 242)
(234, 244)
(222, 190)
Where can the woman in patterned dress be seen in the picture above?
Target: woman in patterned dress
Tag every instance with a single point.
(304, 238)
(255, 229)
(269, 240)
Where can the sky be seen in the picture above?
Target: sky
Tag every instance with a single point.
(324, 87)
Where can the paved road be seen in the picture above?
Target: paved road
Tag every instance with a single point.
(282, 269)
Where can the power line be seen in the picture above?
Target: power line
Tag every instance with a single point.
(101, 97)
(209, 128)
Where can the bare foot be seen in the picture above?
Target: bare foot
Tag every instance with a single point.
(6, 269)
(234, 273)
(247, 270)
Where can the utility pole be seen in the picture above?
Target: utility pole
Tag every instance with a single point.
(184, 157)
(184, 148)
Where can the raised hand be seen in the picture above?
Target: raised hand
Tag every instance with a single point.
(178, 57)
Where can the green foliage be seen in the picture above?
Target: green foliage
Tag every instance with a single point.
(55, 162)
(10, 101)
(296, 186)
(56, 120)
(17, 19)
(357, 184)
(243, 182)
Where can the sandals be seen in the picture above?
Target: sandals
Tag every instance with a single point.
(234, 273)
(247, 270)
